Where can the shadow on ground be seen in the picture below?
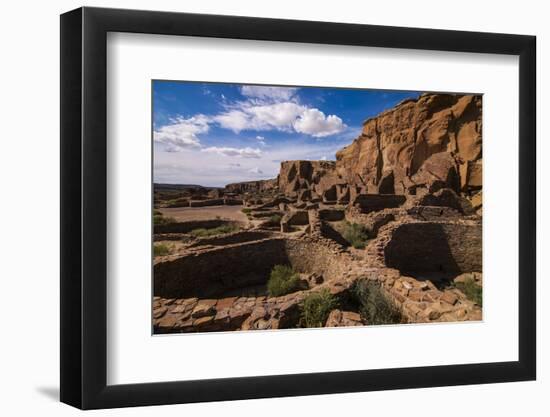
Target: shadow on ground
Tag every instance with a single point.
(50, 392)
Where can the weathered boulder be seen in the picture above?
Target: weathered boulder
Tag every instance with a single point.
(447, 198)
(471, 175)
(477, 200)
(339, 318)
(438, 171)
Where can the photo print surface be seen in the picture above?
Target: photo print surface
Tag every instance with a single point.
(288, 207)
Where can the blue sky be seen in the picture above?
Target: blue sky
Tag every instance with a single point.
(213, 134)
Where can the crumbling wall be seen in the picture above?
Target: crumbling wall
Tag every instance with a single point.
(186, 227)
(308, 256)
(230, 239)
(211, 272)
(367, 203)
(435, 247)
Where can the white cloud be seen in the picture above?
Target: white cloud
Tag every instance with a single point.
(240, 152)
(234, 120)
(278, 116)
(255, 170)
(266, 108)
(284, 116)
(248, 116)
(313, 122)
(268, 93)
(324, 158)
(182, 133)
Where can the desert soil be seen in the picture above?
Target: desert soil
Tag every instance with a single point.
(182, 214)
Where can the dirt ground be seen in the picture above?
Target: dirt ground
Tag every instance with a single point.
(205, 213)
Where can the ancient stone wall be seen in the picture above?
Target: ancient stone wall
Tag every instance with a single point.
(251, 186)
(308, 256)
(231, 239)
(367, 203)
(331, 215)
(185, 227)
(211, 272)
(206, 203)
(214, 271)
(447, 247)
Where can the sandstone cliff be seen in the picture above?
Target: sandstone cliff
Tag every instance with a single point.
(420, 146)
(307, 179)
(432, 141)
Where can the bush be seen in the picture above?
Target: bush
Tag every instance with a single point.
(246, 210)
(160, 249)
(471, 290)
(374, 306)
(356, 235)
(316, 308)
(220, 230)
(283, 280)
(157, 213)
(275, 219)
(160, 219)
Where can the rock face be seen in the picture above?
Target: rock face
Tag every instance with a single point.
(251, 186)
(317, 177)
(420, 146)
(432, 142)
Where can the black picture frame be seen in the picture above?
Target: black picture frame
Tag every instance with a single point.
(84, 207)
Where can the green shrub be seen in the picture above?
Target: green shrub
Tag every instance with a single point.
(316, 307)
(160, 249)
(471, 290)
(374, 306)
(160, 219)
(220, 230)
(246, 210)
(275, 219)
(157, 213)
(282, 280)
(355, 234)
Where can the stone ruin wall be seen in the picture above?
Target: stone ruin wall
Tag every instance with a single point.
(186, 227)
(209, 272)
(212, 271)
(312, 257)
(232, 238)
(435, 247)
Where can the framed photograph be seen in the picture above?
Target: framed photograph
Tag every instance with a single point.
(257, 208)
